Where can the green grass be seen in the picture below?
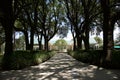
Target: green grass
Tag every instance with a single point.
(94, 56)
(22, 59)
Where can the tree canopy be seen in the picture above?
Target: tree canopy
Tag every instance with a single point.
(60, 44)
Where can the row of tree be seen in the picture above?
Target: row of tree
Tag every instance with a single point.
(86, 15)
(38, 18)
(44, 18)
(41, 18)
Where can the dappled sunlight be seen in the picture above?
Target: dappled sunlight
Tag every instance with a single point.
(59, 67)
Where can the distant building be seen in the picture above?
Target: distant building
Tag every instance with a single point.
(95, 46)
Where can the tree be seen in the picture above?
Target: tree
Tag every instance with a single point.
(6, 19)
(98, 40)
(109, 19)
(49, 20)
(91, 10)
(28, 21)
(63, 31)
(9, 12)
(7, 23)
(21, 26)
(39, 18)
(73, 14)
(60, 44)
(80, 14)
(19, 43)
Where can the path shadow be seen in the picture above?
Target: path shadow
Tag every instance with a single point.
(60, 67)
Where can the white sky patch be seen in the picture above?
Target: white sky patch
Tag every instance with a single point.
(55, 38)
(116, 31)
(69, 38)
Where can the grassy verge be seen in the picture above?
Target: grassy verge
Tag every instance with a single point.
(94, 57)
(22, 59)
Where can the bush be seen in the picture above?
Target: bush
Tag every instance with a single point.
(22, 59)
(40, 57)
(80, 55)
(94, 56)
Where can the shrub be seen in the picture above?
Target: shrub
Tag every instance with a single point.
(22, 59)
(94, 56)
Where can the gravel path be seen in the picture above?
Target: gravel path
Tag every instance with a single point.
(60, 67)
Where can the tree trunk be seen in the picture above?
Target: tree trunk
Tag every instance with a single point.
(40, 45)
(79, 41)
(110, 39)
(74, 39)
(74, 45)
(107, 32)
(8, 38)
(27, 40)
(86, 40)
(86, 25)
(7, 23)
(31, 39)
(46, 43)
(40, 42)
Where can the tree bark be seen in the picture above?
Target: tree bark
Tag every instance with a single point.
(8, 38)
(31, 39)
(79, 41)
(27, 40)
(107, 30)
(7, 23)
(78, 38)
(46, 43)
(86, 25)
(86, 36)
(40, 42)
(74, 38)
(110, 37)
(74, 42)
